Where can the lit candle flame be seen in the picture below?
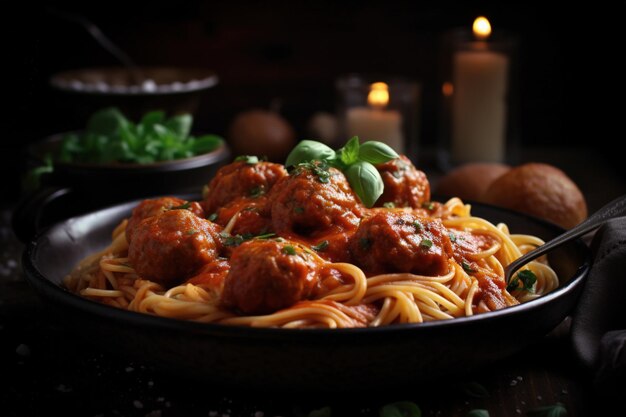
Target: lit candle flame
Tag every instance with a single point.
(481, 28)
(378, 95)
(447, 89)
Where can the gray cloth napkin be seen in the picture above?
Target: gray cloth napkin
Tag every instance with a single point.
(599, 322)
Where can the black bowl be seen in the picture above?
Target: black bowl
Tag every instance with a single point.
(78, 188)
(336, 360)
(174, 90)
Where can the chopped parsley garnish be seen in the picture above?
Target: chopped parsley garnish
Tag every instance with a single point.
(319, 169)
(426, 243)
(183, 206)
(418, 225)
(191, 232)
(248, 159)
(237, 240)
(365, 243)
(467, 267)
(265, 236)
(212, 217)
(289, 250)
(526, 277)
(429, 205)
(401, 166)
(320, 247)
(257, 192)
(389, 204)
(229, 240)
(452, 237)
(298, 210)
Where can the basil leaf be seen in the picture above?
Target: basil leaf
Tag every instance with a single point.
(32, 179)
(476, 390)
(554, 410)
(180, 125)
(366, 182)
(150, 119)
(322, 412)
(205, 144)
(376, 152)
(309, 150)
(349, 154)
(400, 409)
(106, 122)
(478, 412)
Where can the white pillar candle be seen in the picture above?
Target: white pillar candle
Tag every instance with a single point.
(376, 124)
(479, 109)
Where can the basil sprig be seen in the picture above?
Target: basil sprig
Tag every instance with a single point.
(111, 137)
(354, 159)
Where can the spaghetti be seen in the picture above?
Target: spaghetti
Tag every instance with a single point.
(356, 300)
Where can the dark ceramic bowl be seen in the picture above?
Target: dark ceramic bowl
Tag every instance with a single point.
(75, 188)
(337, 360)
(171, 89)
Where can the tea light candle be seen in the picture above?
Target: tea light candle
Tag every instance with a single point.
(479, 112)
(376, 122)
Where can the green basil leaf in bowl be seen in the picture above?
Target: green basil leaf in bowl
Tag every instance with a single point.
(111, 138)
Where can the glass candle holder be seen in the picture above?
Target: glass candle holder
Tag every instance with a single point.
(479, 97)
(385, 109)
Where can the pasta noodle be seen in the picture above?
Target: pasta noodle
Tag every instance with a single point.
(378, 300)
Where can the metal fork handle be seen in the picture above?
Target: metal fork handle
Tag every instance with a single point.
(616, 208)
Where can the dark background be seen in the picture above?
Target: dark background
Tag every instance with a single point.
(571, 75)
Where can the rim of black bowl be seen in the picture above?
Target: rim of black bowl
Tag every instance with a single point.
(62, 82)
(38, 149)
(63, 296)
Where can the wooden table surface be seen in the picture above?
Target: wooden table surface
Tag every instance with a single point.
(46, 370)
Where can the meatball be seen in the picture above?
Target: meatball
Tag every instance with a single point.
(397, 241)
(267, 275)
(405, 185)
(312, 201)
(241, 179)
(149, 208)
(251, 220)
(465, 244)
(173, 246)
(211, 276)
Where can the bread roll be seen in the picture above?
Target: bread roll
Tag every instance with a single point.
(540, 190)
(470, 181)
(261, 133)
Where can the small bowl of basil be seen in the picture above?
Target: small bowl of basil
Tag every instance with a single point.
(111, 160)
